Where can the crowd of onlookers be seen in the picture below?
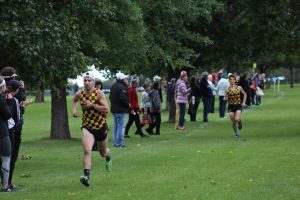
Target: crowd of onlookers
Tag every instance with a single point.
(186, 93)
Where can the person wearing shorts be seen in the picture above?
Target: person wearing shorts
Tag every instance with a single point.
(95, 108)
(233, 96)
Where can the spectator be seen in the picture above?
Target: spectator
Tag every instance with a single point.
(134, 110)
(206, 95)
(181, 97)
(119, 107)
(194, 99)
(155, 109)
(222, 86)
(213, 90)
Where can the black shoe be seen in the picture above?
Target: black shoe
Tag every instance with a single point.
(136, 132)
(150, 132)
(6, 190)
(157, 133)
(240, 125)
(143, 135)
(126, 136)
(85, 181)
(12, 187)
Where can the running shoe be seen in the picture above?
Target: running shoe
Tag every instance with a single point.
(12, 187)
(108, 166)
(6, 190)
(85, 181)
(240, 125)
(236, 134)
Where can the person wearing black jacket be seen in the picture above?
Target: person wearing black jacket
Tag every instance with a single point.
(5, 145)
(206, 95)
(9, 73)
(156, 109)
(119, 107)
(244, 83)
(194, 99)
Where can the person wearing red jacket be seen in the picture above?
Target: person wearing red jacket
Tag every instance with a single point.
(134, 110)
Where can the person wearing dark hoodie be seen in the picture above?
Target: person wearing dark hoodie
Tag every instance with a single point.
(155, 109)
(206, 95)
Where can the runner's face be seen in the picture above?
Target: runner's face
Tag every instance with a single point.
(232, 81)
(88, 83)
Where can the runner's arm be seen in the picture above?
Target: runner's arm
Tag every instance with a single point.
(75, 104)
(103, 106)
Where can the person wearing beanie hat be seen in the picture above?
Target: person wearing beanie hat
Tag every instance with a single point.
(94, 128)
(13, 85)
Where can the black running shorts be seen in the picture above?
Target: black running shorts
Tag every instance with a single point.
(100, 134)
(234, 108)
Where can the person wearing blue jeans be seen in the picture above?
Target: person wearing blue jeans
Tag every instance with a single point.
(119, 107)
(181, 114)
(181, 98)
(118, 129)
(206, 109)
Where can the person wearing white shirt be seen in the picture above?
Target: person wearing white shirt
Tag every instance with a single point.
(223, 84)
(213, 89)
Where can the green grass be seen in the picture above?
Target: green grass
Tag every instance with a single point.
(204, 162)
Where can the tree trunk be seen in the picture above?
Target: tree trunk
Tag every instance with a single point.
(291, 76)
(59, 115)
(39, 97)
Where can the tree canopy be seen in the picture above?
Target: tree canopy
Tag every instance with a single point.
(50, 41)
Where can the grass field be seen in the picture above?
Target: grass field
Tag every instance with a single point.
(204, 162)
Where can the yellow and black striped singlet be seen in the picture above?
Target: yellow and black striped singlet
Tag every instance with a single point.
(91, 118)
(234, 97)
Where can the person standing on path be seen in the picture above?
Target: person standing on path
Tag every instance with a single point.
(134, 110)
(181, 98)
(119, 106)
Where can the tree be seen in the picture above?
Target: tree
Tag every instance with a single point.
(51, 41)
